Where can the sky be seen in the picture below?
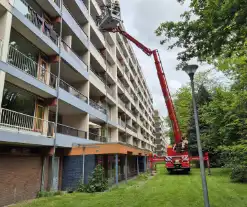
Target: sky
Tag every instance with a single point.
(141, 18)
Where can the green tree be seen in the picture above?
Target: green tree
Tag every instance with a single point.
(202, 98)
(214, 31)
(207, 30)
(182, 103)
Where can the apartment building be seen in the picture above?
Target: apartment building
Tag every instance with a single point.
(161, 140)
(71, 97)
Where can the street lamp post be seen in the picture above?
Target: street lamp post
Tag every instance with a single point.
(190, 70)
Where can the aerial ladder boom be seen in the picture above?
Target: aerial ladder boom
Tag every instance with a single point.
(162, 79)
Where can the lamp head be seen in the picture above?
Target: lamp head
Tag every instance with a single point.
(190, 69)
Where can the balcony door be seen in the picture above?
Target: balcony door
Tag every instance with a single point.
(42, 70)
(39, 118)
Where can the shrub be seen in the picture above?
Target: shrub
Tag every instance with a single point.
(81, 186)
(143, 176)
(239, 174)
(97, 182)
(235, 157)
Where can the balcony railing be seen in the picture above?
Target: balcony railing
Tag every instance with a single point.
(29, 66)
(97, 137)
(120, 49)
(65, 86)
(97, 106)
(122, 139)
(121, 123)
(110, 91)
(36, 19)
(22, 122)
(121, 84)
(109, 47)
(67, 130)
(97, 75)
(132, 128)
(121, 65)
(58, 3)
(121, 102)
(96, 27)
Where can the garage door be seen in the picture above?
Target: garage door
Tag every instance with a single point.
(20, 178)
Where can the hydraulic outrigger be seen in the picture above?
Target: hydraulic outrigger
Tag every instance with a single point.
(177, 156)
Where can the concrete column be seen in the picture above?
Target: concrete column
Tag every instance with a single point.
(139, 143)
(128, 105)
(86, 29)
(6, 23)
(137, 164)
(86, 58)
(42, 187)
(2, 81)
(68, 40)
(130, 140)
(116, 169)
(114, 135)
(82, 87)
(114, 88)
(145, 163)
(46, 123)
(114, 67)
(114, 113)
(83, 166)
(126, 168)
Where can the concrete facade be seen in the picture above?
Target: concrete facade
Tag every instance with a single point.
(64, 84)
(162, 140)
(89, 76)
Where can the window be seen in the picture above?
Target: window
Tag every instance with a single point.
(17, 99)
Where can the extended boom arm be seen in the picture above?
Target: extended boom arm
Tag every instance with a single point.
(162, 79)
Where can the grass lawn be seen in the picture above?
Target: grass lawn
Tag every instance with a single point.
(161, 190)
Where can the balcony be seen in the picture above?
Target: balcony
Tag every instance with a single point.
(121, 66)
(97, 75)
(79, 62)
(20, 122)
(109, 47)
(29, 66)
(121, 50)
(121, 84)
(66, 130)
(96, 30)
(131, 128)
(98, 138)
(121, 123)
(110, 91)
(65, 86)
(97, 106)
(97, 55)
(121, 103)
(36, 19)
(74, 25)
